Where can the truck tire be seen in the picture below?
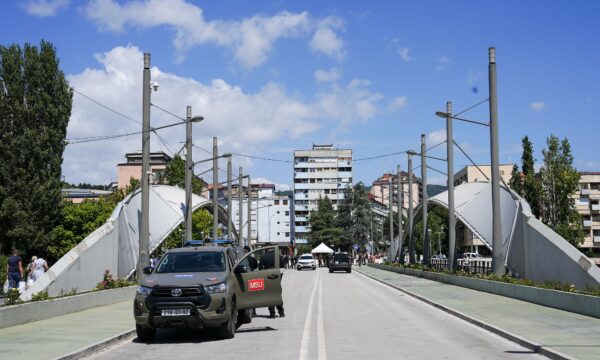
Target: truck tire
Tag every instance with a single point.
(227, 329)
(144, 334)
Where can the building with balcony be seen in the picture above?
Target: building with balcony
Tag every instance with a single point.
(587, 202)
(470, 173)
(133, 167)
(323, 171)
(380, 190)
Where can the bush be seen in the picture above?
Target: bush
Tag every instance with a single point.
(41, 296)
(3, 259)
(110, 283)
(12, 297)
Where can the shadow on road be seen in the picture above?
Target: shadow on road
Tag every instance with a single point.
(179, 336)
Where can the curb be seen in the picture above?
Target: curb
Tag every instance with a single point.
(535, 347)
(90, 349)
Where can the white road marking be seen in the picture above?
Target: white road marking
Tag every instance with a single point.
(306, 333)
(321, 351)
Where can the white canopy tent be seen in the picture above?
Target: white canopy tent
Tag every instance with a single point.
(322, 249)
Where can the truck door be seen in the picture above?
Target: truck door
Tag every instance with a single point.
(258, 279)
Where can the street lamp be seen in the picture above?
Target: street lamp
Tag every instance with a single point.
(215, 184)
(188, 170)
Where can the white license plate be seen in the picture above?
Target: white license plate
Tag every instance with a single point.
(175, 312)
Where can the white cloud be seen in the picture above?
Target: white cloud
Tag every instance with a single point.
(397, 103)
(442, 64)
(330, 75)
(326, 40)
(436, 137)
(244, 122)
(537, 106)
(251, 40)
(44, 8)
(404, 53)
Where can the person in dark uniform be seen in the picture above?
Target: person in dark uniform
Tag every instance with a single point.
(268, 262)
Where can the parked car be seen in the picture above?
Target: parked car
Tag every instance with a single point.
(438, 256)
(206, 287)
(306, 261)
(340, 261)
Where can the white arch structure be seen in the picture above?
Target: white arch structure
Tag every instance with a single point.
(114, 245)
(532, 250)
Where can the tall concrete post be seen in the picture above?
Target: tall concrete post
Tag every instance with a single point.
(240, 208)
(450, 161)
(400, 205)
(392, 247)
(144, 241)
(426, 253)
(229, 223)
(497, 245)
(215, 193)
(411, 238)
(249, 240)
(188, 175)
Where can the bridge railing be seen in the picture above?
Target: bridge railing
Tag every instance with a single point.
(480, 266)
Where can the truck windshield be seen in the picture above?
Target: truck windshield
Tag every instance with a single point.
(191, 262)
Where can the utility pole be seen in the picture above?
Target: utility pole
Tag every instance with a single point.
(188, 175)
(144, 241)
(450, 162)
(400, 205)
(229, 224)
(497, 244)
(250, 212)
(426, 254)
(391, 203)
(240, 209)
(215, 189)
(411, 238)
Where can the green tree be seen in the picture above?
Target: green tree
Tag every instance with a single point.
(201, 223)
(174, 174)
(559, 181)
(77, 222)
(531, 186)
(120, 194)
(35, 106)
(361, 215)
(515, 182)
(323, 225)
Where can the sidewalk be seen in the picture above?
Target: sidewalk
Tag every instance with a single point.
(48, 339)
(571, 334)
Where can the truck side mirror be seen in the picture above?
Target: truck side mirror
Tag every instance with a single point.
(148, 270)
(240, 269)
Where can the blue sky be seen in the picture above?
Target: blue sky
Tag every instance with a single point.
(272, 76)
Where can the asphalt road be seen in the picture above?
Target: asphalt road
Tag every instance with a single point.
(334, 316)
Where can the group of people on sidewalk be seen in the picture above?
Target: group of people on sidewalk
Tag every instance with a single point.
(16, 273)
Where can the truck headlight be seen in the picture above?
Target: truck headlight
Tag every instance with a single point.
(143, 290)
(216, 289)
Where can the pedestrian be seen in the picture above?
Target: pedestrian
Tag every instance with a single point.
(280, 309)
(285, 261)
(14, 270)
(40, 266)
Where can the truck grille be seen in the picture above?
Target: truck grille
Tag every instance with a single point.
(185, 291)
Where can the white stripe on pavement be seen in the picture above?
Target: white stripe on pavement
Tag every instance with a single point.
(307, 321)
(321, 351)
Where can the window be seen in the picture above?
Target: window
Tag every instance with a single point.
(285, 202)
(287, 213)
(278, 211)
(287, 234)
(276, 202)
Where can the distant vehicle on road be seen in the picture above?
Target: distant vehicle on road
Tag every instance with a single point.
(438, 257)
(472, 255)
(306, 261)
(206, 287)
(340, 261)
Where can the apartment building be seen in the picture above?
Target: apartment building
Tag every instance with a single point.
(470, 173)
(270, 215)
(323, 171)
(587, 201)
(133, 167)
(380, 190)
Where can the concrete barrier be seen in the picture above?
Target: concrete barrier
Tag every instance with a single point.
(572, 302)
(41, 310)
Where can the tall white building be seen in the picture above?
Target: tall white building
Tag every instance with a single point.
(323, 171)
(270, 215)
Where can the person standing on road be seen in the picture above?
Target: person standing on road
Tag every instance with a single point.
(14, 270)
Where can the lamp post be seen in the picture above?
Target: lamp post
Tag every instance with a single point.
(215, 190)
(241, 208)
(188, 171)
(229, 224)
(411, 239)
(214, 159)
(426, 250)
(400, 205)
(144, 240)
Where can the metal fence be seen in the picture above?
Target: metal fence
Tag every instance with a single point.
(480, 266)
